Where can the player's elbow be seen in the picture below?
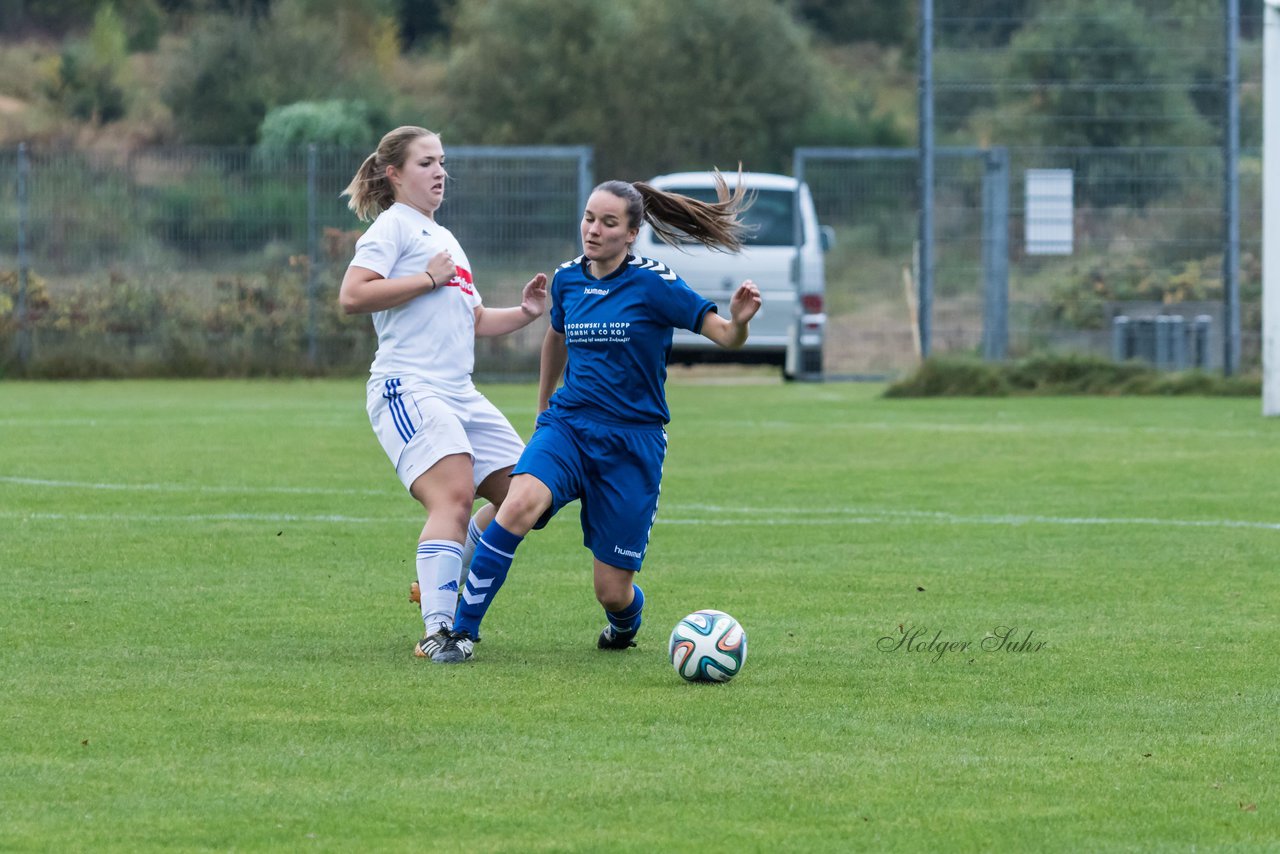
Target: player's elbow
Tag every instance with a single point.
(348, 302)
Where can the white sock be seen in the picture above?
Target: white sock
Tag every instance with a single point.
(469, 549)
(439, 565)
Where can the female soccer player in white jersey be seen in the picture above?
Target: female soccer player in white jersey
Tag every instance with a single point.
(447, 442)
(600, 438)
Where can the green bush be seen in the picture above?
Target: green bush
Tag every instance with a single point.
(345, 124)
(938, 377)
(1080, 295)
(1061, 375)
(241, 326)
(221, 208)
(1072, 375)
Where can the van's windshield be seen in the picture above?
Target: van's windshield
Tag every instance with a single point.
(769, 219)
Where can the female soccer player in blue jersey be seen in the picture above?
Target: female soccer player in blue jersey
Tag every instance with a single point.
(446, 440)
(600, 437)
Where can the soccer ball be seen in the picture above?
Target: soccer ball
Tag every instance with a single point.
(708, 646)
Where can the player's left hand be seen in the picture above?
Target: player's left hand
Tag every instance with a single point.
(533, 299)
(745, 302)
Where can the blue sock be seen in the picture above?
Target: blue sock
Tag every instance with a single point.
(627, 621)
(489, 568)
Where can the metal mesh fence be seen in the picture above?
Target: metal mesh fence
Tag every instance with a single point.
(217, 260)
(1125, 99)
(870, 197)
(227, 260)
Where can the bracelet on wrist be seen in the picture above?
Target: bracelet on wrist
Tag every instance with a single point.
(434, 284)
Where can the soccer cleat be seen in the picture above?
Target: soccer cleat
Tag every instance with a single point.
(610, 639)
(415, 593)
(458, 647)
(432, 643)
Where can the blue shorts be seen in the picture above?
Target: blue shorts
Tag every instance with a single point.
(615, 471)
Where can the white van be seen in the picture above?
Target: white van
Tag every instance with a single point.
(789, 329)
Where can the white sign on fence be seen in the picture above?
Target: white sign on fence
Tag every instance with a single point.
(1049, 212)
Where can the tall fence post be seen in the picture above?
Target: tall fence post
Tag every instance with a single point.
(1270, 209)
(925, 142)
(995, 255)
(586, 166)
(24, 263)
(1231, 198)
(313, 256)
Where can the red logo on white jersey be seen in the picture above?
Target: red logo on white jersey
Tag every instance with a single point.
(462, 279)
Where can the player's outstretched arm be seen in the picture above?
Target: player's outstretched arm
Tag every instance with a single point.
(732, 334)
(500, 321)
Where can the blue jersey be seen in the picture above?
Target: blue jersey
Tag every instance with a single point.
(618, 334)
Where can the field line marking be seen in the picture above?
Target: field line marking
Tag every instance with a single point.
(200, 517)
(1012, 428)
(859, 514)
(766, 519)
(187, 487)
(745, 515)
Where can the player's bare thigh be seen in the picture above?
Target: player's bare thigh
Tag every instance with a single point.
(446, 490)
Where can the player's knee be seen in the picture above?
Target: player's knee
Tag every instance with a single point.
(454, 503)
(614, 597)
(519, 517)
(522, 508)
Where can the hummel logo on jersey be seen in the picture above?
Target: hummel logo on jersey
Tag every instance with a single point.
(450, 585)
(596, 291)
(426, 233)
(656, 266)
(627, 552)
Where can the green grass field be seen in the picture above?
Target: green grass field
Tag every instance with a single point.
(206, 643)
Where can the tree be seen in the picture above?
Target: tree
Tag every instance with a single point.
(843, 21)
(1099, 78)
(143, 19)
(653, 85)
(91, 75)
(422, 20)
(983, 23)
(215, 94)
(235, 69)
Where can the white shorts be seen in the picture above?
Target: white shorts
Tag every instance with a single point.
(418, 426)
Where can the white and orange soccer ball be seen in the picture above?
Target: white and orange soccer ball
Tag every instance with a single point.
(708, 646)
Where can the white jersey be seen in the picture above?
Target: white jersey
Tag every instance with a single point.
(431, 337)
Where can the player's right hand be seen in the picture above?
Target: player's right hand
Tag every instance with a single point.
(441, 268)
